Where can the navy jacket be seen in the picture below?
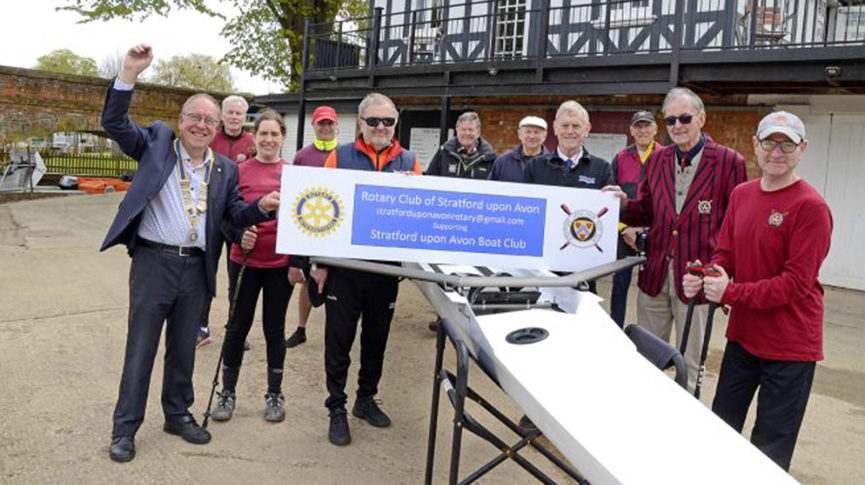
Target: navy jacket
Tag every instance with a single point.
(152, 148)
(591, 172)
(509, 167)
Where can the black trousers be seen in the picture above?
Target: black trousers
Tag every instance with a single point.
(163, 288)
(352, 295)
(784, 390)
(205, 315)
(273, 283)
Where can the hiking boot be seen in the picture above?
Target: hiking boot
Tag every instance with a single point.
(366, 408)
(224, 406)
(339, 433)
(274, 407)
(297, 338)
(203, 337)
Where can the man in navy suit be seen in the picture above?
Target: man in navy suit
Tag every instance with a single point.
(170, 223)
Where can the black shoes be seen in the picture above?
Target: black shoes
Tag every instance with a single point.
(297, 338)
(339, 433)
(122, 449)
(188, 429)
(366, 408)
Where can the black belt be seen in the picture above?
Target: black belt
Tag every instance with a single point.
(167, 248)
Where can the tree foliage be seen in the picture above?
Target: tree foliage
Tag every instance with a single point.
(266, 35)
(194, 71)
(66, 62)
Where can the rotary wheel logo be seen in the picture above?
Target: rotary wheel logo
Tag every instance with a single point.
(583, 228)
(317, 212)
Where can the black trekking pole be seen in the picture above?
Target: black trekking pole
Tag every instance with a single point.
(231, 308)
(695, 270)
(705, 351)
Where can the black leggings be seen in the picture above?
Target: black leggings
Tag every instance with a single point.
(277, 293)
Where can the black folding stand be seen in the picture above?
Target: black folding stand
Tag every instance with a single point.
(457, 389)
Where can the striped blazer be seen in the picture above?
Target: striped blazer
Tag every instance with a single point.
(692, 234)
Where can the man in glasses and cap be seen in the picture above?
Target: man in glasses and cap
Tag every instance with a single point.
(770, 249)
(532, 133)
(682, 200)
(351, 294)
(325, 124)
(629, 169)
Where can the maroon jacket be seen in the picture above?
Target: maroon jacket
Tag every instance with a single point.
(237, 148)
(694, 233)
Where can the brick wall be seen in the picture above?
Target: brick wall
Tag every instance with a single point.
(37, 104)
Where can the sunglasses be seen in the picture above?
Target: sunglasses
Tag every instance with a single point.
(373, 121)
(684, 119)
(786, 146)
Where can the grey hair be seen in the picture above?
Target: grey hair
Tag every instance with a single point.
(469, 116)
(235, 99)
(677, 93)
(374, 98)
(572, 107)
(195, 97)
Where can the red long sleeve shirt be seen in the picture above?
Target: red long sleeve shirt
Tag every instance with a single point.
(772, 245)
(257, 179)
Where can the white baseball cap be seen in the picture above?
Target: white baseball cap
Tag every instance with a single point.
(534, 121)
(784, 123)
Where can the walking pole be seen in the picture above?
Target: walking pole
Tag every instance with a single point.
(695, 270)
(231, 307)
(704, 353)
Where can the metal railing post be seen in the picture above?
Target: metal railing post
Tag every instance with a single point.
(543, 35)
(412, 36)
(301, 103)
(678, 25)
(376, 34)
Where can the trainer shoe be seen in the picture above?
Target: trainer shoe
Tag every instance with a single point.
(203, 337)
(274, 407)
(297, 338)
(224, 406)
(367, 408)
(339, 433)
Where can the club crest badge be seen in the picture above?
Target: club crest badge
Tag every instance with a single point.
(317, 212)
(704, 207)
(776, 218)
(582, 229)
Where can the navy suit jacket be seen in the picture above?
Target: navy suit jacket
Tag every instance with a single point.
(152, 148)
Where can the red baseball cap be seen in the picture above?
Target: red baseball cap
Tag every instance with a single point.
(324, 113)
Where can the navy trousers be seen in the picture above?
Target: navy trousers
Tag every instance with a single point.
(784, 390)
(165, 289)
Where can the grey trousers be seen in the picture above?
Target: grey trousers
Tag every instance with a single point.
(163, 288)
(658, 313)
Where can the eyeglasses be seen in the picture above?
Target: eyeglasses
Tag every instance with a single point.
(373, 121)
(196, 118)
(684, 119)
(786, 146)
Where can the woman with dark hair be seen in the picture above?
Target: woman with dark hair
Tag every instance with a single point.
(266, 273)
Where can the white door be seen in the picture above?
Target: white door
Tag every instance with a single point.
(835, 166)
